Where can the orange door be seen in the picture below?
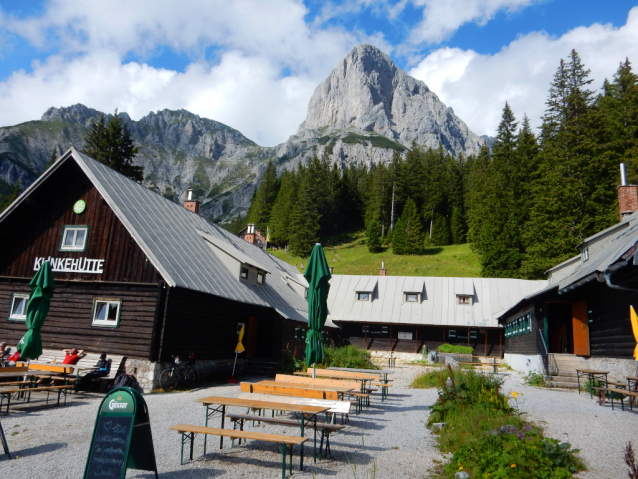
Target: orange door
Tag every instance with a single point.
(581, 328)
(251, 337)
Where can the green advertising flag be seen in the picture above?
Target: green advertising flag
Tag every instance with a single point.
(42, 286)
(317, 274)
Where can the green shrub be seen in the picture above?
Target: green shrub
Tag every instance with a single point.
(346, 357)
(535, 379)
(289, 363)
(450, 348)
(432, 379)
(488, 438)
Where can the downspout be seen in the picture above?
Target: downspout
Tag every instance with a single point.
(608, 282)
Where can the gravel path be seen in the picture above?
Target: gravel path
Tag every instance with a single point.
(600, 433)
(54, 442)
(390, 437)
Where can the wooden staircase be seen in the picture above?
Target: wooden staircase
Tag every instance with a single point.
(562, 370)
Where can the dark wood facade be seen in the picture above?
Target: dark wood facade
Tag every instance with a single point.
(155, 322)
(609, 327)
(385, 337)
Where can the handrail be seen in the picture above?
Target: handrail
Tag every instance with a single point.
(543, 341)
(545, 361)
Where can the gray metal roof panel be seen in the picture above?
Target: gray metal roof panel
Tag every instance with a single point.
(171, 237)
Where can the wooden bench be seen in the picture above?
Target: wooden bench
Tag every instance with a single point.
(6, 393)
(326, 428)
(14, 369)
(632, 395)
(291, 391)
(188, 434)
(86, 363)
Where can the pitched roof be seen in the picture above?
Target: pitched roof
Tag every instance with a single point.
(438, 304)
(604, 249)
(177, 242)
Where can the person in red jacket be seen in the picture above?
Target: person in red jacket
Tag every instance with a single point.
(72, 355)
(11, 360)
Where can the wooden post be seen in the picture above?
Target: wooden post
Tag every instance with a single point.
(366, 335)
(391, 341)
(416, 340)
(485, 352)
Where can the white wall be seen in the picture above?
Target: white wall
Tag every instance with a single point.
(524, 362)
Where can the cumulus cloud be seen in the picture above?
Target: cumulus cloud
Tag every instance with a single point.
(441, 18)
(477, 86)
(268, 63)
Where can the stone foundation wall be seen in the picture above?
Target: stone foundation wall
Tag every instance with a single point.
(148, 373)
(619, 369)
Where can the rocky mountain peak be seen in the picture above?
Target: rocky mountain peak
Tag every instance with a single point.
(368, 92)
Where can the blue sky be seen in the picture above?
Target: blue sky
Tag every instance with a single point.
(253, 64)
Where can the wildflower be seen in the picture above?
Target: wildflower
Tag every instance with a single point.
(513, 465)
(460, 468)
(514, 394)
(527, 428)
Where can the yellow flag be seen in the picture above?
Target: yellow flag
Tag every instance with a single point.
(634, 327)
(240, 347)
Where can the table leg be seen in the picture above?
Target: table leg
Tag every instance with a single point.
(303, 419)
(578, 380)
(221, 438)
(205, 435)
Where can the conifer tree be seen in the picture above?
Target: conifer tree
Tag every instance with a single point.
(574, 196)
(111, 143)
(282, 208)
(477, 192)
(52, 158)
(373, 237)
(264, 200)
(408, 233)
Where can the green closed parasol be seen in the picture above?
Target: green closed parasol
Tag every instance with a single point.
(317, 274)
(42, 285)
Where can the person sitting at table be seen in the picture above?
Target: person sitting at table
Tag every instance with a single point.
(72, 355)
(102, 368)
(11, 360)
(4, 351)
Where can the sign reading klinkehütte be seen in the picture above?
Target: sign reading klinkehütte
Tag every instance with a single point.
(71, 265)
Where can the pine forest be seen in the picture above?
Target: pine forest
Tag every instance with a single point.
(523, 205)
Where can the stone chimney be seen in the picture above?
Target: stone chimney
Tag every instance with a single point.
(627, 195)
(382, 271)
(191, 204)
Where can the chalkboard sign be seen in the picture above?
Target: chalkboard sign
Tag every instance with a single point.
(121, 438)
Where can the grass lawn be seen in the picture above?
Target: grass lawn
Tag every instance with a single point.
(353, 258)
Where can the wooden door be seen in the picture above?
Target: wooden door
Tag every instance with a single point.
(581, 328)
(251, 337)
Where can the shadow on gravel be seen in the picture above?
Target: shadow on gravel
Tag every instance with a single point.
(190, 473)
(34, 451)
(31, 407)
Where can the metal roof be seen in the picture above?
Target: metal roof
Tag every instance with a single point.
(366, 284)
(438, 305)
(172, 238)
(605, 248)
(463, 287)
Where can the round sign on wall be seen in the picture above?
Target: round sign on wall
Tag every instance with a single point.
(79, 206)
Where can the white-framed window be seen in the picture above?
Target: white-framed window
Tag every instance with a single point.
(464, 299)
(363, 296)
(584, 254)
(451, 333)
(106, 312)
(261, 278)
(298, 334)
(244, 273)
(411, 297)
(18, 311)
(74, 238)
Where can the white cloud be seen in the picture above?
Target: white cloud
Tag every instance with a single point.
(477, 86)
(441, 18)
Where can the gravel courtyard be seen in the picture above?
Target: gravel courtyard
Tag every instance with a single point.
(388, 440)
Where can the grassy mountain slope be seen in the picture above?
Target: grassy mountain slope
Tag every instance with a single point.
(353, 258)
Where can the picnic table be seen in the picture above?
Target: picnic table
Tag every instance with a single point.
(349, 376)
(306, 415)
(632, 383)
(383, 373)
(340, 390)
(591, 375)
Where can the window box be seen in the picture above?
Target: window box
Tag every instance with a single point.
(18, 310)
(74, 238)
(106, 312)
